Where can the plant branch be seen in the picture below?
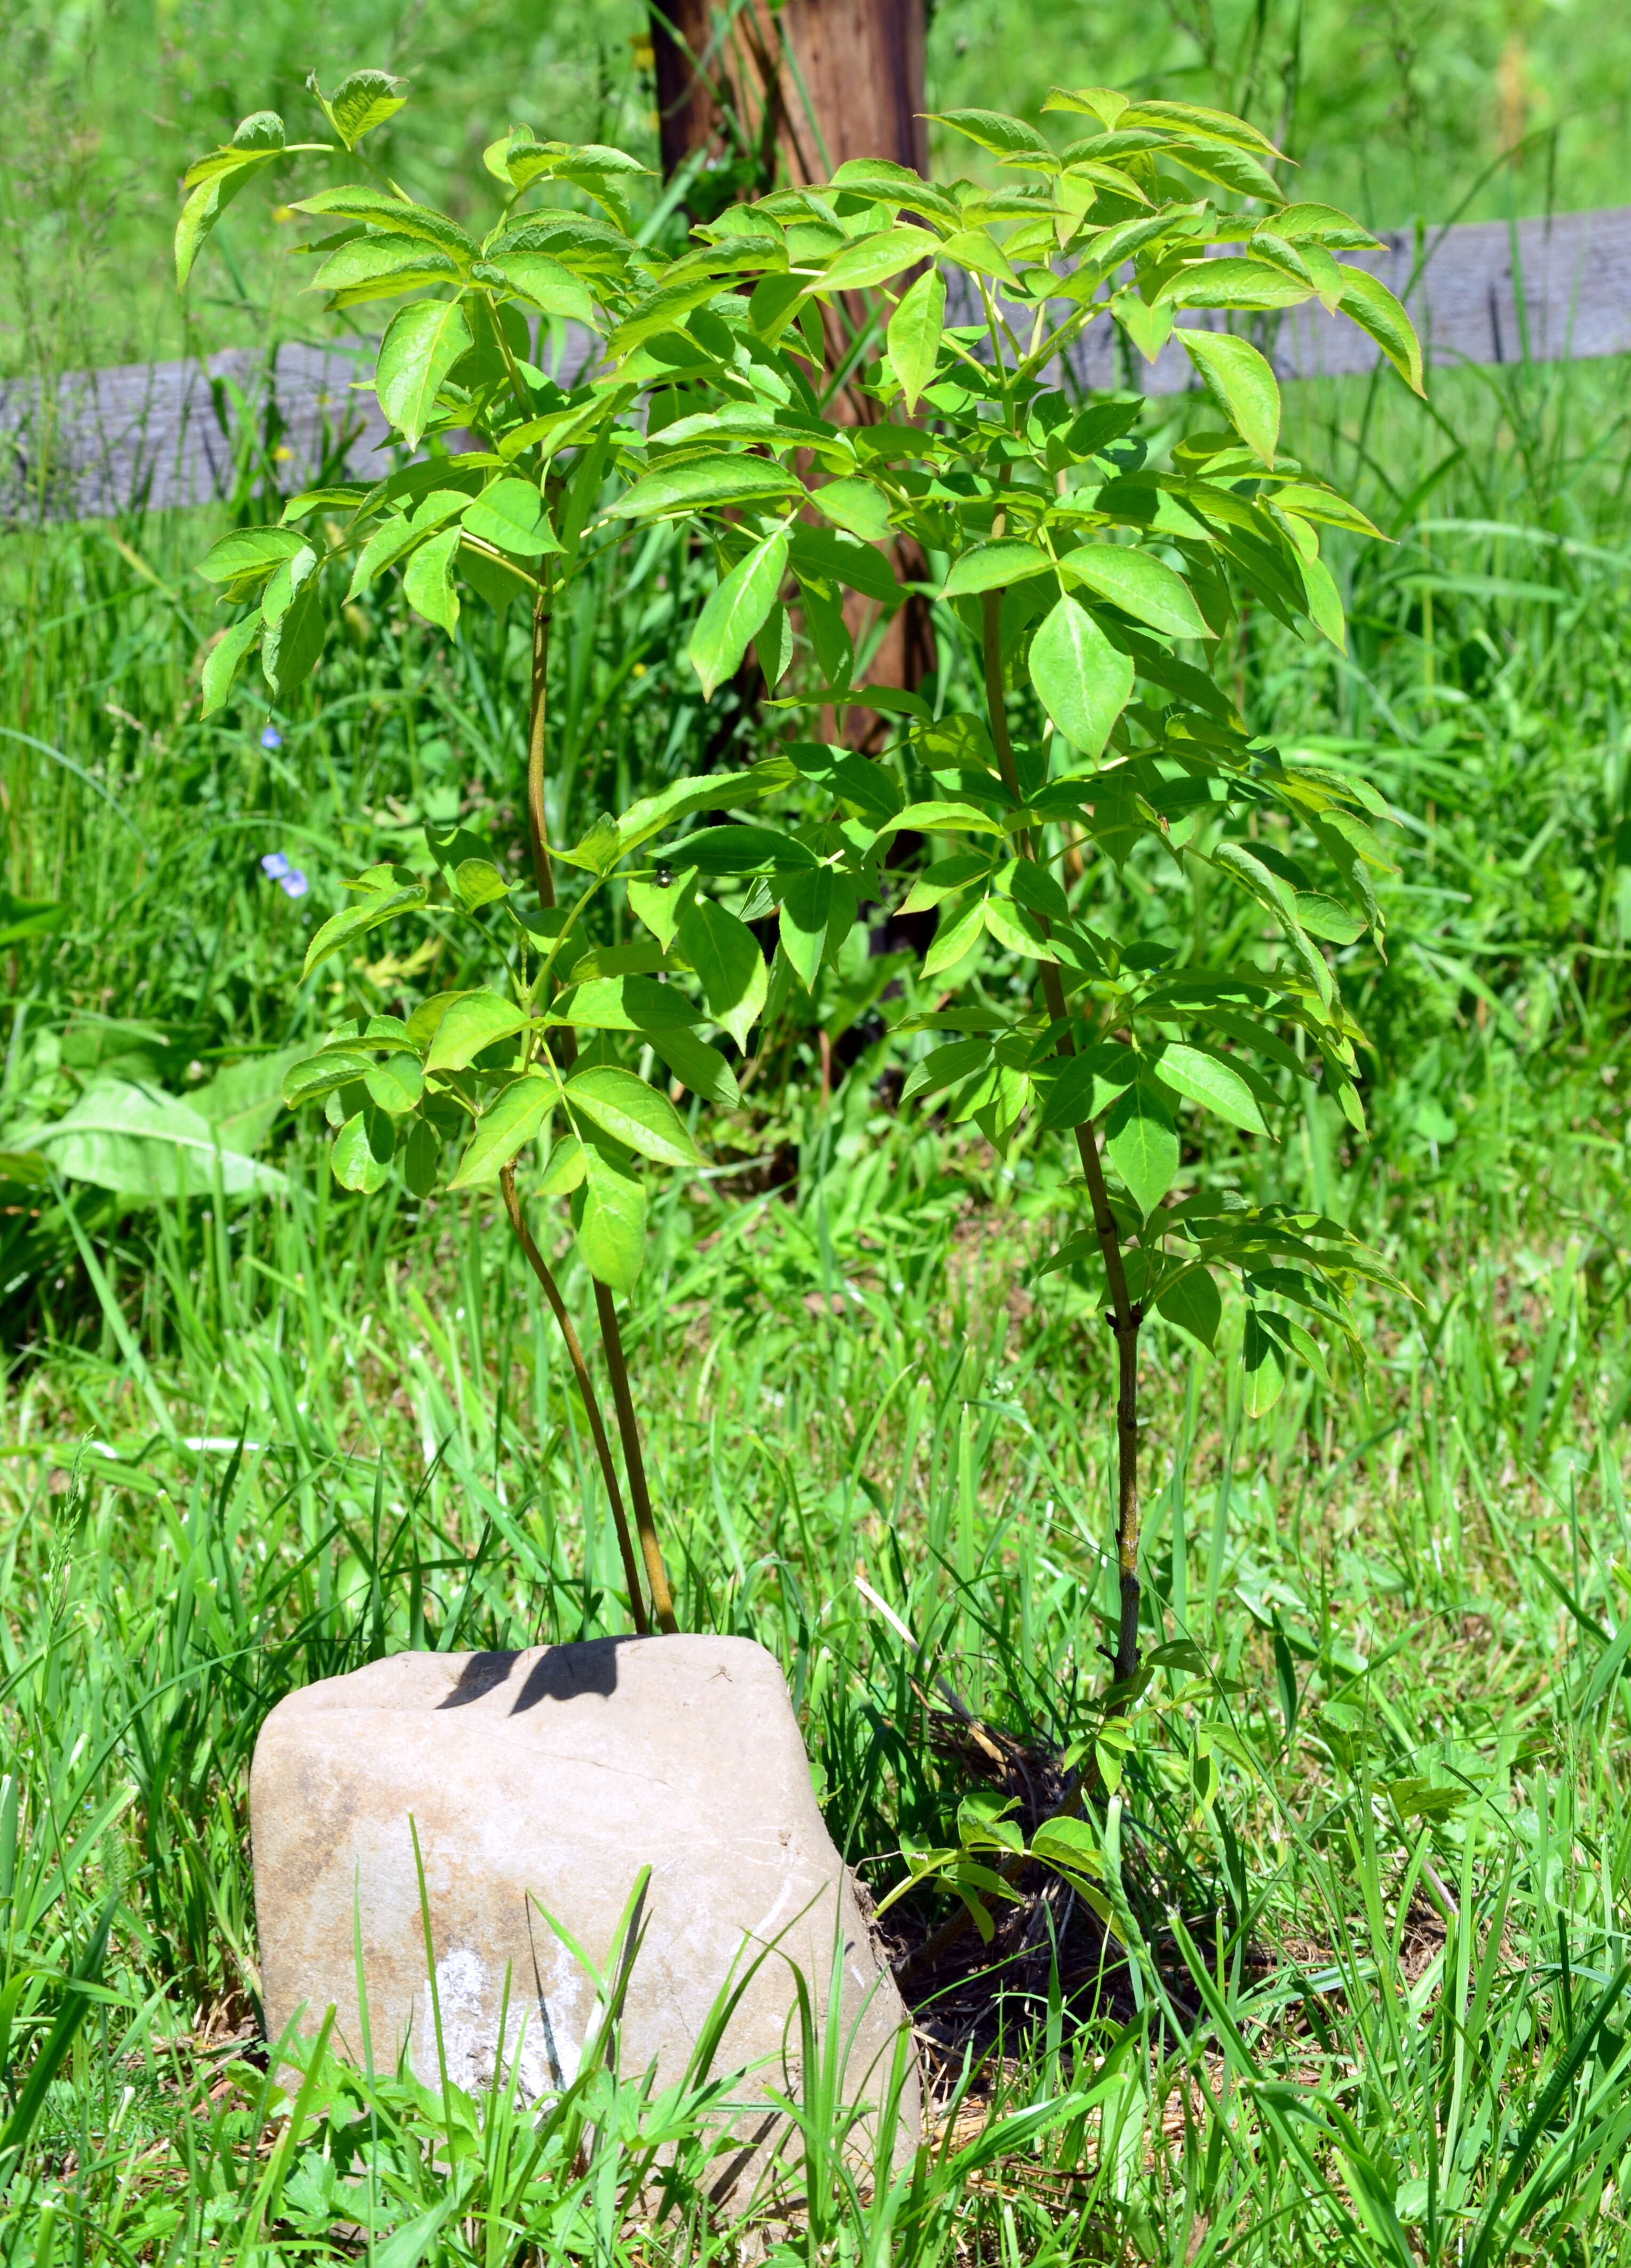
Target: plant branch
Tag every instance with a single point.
(538, 713)
(1125, 1315)
(611, 1337)
(628, 1426)
(540, 1268)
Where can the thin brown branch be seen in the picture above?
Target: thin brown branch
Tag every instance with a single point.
(1125, 1315)
(544, 1274)
(628, 1426)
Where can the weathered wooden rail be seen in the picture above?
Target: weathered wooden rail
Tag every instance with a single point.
(166, 434)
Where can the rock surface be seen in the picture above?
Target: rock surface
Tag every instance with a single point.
(544, 1781)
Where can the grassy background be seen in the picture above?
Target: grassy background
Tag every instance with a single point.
(1478, 109)
(247, 1445)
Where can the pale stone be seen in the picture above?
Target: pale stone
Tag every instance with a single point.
(543, 1781)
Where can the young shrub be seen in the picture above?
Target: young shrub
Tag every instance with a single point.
(1089, 593)
(507, 487)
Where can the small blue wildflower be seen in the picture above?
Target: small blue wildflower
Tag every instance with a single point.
(271, 738)
(294, 883)
(274, 864)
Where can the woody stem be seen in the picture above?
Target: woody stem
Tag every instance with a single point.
(1125, 1315)
(657, 1576)
(544, 1274)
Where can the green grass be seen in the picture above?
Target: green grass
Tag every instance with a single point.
(1406, 1905)
(1404, 1597)
(1373, 2003)
(1475, 112)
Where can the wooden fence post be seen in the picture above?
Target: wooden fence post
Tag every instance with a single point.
(799, 93)
(816, 83)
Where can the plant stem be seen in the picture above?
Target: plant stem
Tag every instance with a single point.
(611, 1337)
(540, 1268)
(1124, 1314)
(537, 823)
(657, 1576)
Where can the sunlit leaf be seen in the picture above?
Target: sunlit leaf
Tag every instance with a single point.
(511, 1120)
(1241, 383)
(422, 345)
(1140, 584)
(1142, 1143)
(1083, 680)
(1211, 1081)
(475, 1020)
(357, 920)
(735, 611)
(611, 1221)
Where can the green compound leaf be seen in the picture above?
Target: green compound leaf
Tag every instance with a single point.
(356, 921)
(1082, 680)
(1252, 283)
(1193, 1303)
(1142, 1143)
(741, 850)
(855, 506)
(736, 611)
(1088, 1084)
(837, 555)
(428, 581)
(942, 1067)
(544, 282)
(697, 1066)
(1368, 303)
(400, 532)
(662, 310)
(634, 1003)
(511, 1120)
(362, 101)
(611, 1221)
(417, 351)
(224, 659)
(725, 954)
(250, 551)
(360, 1156)
(874, 259)
(806, 907)
(994, 566)
(958, 934)
(1212, 1082)
(1241, 383)
(511, 515)
(292, 643)
(217, 180)
(1017, 929)
(703, 484)
(399, 215)
(916, 330)
(1265, 1363)
(471, 1022)
(422, 1158)
(995, 130)
(381, 268)
(564, 1170)
(1070, 1843)
(395, 1084)
(325, 1074)
(632, 1113)
(477, 882)
(1140, 585)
